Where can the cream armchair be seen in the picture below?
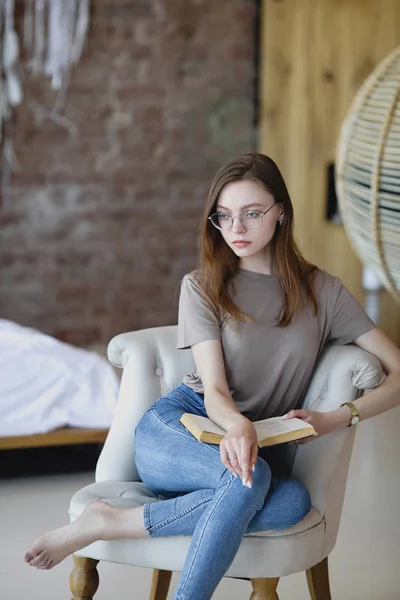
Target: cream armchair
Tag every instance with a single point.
(151, 366)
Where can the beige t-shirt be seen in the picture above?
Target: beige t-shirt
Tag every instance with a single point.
(268, 368)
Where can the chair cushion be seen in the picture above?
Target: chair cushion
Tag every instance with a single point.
(264, 554)
(131, 494)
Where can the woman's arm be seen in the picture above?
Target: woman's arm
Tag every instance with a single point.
(199, 329)
(241, 439)
(217, 399)
(387, 395)
(378, 401)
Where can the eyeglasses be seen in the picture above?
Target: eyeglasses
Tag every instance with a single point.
(250, 219)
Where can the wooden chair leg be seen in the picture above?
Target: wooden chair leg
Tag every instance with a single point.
(84, 578)
(318, 581)
(160, 584)
(264, 589)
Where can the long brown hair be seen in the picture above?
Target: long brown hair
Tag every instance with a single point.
(217, 262)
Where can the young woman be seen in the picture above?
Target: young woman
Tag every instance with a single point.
(257, 316)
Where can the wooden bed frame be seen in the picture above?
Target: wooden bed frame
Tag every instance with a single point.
(58, 437)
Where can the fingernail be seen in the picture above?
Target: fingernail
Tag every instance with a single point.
(248, 484)
(244, 482)
(235, 475)
(253, 468)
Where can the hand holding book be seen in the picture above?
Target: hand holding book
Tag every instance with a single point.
(323, 422)
(239, 449)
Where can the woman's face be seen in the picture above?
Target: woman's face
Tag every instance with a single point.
(246, 198)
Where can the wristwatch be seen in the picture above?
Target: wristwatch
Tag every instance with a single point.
(355, 416)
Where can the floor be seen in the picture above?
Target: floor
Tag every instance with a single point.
(364, 565)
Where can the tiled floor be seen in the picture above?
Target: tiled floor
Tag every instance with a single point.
(365, 564)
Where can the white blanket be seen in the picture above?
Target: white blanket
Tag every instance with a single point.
(46, 384)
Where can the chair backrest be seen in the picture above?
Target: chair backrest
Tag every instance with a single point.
(152, 366)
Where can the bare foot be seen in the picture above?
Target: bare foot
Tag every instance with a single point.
(95, 523)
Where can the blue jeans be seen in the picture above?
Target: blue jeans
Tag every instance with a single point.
(201, 498)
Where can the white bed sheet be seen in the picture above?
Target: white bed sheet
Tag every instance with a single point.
(46, 384)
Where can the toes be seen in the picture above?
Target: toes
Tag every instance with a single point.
(30, 554)
(30, 562)
(49, 565)
(36, 560)
(43, 562)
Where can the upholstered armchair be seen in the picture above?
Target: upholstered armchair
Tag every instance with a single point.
(151, 366)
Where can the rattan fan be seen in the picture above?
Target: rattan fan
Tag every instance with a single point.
(368, 173)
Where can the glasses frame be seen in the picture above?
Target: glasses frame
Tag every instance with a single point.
(233, 217)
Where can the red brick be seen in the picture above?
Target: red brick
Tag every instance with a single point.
(82, 336)
(102, 226)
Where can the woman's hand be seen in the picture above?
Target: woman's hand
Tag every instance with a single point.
(323, 423)
(239, 449)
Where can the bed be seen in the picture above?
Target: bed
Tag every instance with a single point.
(52, 393)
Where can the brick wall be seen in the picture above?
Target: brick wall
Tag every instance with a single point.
(98, 229)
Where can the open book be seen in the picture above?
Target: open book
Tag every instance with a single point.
(269, 431)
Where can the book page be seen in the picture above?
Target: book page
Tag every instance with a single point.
(207, 425)
(277, 425)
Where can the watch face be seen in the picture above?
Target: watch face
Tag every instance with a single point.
(355, 420)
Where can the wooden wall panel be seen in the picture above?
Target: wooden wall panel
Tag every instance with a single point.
(315, 54)
(286, 98)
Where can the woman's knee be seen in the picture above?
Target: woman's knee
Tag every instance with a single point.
(300, 501)
(262, 476)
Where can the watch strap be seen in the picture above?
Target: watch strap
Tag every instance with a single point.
(353, 410)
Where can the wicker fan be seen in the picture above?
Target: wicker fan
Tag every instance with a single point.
(368, 173)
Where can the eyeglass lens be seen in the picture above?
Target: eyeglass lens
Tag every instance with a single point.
(252, 219)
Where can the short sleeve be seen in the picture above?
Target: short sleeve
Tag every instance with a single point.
(349, 320)
(196, 321)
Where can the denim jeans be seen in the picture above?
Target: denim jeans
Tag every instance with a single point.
(201, 498)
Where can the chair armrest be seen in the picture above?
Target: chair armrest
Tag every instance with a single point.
(342, 371)
(342, 374)
(120, 347)
(152, 365)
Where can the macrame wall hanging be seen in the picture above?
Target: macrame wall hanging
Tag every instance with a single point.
(49, 43)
